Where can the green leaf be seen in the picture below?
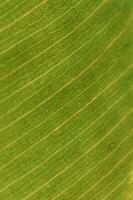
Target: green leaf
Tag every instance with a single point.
(66, 100)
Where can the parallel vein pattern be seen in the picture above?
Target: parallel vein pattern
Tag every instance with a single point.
(66, 100)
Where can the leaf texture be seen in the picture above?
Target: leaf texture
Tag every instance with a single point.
(66, 100)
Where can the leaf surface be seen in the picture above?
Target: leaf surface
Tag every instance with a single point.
(66, 100)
